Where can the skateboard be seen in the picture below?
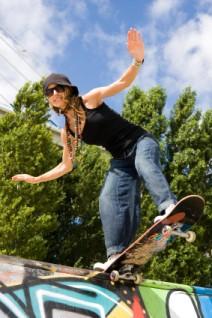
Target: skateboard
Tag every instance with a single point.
(184, 215)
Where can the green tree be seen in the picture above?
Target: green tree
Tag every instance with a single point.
(79, 239)
(55, 221)
(146, 109)
(186, 145)
(27, 211)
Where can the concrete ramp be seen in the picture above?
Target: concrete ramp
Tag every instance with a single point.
(32, 289)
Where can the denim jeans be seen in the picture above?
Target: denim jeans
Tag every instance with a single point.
(120, 196)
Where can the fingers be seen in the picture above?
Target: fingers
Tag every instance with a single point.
(24, 177)
(16, 178)
(133, 35)
(20, 177)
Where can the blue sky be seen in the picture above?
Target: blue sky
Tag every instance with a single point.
(86, 39)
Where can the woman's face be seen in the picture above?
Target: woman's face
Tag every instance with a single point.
(56, 96)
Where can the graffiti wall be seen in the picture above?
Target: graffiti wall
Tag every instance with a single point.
(39, 290)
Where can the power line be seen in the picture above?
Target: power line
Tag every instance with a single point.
(6, 80)
(5, 99)
(22, 49)
(17, 70)
(16, 51)
(20, 55)
(6, 32)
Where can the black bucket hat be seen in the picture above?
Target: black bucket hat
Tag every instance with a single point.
(60, 79)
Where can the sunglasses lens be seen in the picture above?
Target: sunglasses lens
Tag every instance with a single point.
(49, 92)
(57, 88)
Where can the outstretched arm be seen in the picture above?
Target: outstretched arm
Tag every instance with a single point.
(135, 47)
(64, 167)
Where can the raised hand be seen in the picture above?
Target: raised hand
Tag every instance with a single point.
(135, 44)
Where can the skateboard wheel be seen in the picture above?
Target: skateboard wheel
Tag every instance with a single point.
(191, 236)
(114, 276)
(167, 229)
(138, 279)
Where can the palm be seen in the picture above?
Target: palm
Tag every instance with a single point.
(135, 44)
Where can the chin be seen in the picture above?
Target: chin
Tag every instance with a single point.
(58, 105)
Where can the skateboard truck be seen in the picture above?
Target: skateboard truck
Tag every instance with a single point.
(129, 276)
(190, 236)
(126, 273)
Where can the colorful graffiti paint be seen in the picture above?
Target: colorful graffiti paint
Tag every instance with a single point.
(30, 289)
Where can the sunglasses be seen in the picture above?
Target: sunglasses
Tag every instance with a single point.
(58, 88)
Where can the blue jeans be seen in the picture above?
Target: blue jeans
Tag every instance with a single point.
(120, 196)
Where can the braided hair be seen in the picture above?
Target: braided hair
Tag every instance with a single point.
(74, 127)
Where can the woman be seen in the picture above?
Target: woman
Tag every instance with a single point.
(135, 152)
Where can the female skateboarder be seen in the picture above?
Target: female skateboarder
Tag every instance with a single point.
(135, 152)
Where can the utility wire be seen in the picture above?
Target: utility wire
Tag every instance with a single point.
(5, 99)
(15, 41)
(6, 80)
(17, 70)
(22, 49)
(21, 56)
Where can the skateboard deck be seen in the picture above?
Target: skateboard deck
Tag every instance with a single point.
(185, 214)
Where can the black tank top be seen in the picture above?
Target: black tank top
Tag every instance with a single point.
(105, 127)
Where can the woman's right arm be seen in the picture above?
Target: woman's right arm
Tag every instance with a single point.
(64, 167)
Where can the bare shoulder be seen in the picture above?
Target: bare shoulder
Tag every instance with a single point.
(93, 98)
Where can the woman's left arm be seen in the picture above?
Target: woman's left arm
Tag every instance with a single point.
(135, 47)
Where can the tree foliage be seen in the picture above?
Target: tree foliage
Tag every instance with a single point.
(27, 211)
(186, 141)
(79, 240)
(146, 109)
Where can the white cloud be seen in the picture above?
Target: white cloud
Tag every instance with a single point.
(117, 59)
(34, 30)
(38, 31)
(161, 8)
(176, 59)
(111, 45)
(178, 54)
(187, 56)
